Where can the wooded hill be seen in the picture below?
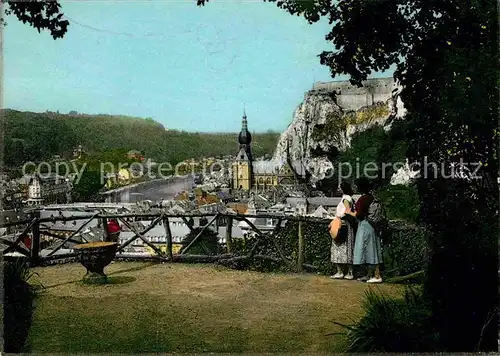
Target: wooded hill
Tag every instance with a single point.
(39, 136)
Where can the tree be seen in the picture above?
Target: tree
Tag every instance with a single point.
(444, 53)
(15, 153)
(40, 14)
(88, 186)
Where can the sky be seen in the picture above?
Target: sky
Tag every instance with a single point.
(190, 68)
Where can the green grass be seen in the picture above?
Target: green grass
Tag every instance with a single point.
(191, 308)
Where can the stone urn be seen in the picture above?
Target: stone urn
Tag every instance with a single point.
(94, 256)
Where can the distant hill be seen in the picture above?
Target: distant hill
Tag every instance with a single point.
(39, 136)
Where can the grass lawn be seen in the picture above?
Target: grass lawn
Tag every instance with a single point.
(192, 308)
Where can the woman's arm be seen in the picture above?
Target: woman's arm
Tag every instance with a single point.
(348, 210)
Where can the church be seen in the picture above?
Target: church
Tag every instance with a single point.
(250, 175)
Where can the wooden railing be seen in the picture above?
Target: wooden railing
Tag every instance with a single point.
(32, 229)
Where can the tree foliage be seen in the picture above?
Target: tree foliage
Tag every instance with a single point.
(18, 304)
(444, 54)
(87, 187)
(38, 136)
(40, 14)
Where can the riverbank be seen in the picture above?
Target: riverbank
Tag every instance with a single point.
(155, 190)
(139, 184)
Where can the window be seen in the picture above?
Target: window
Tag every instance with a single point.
(242, 157)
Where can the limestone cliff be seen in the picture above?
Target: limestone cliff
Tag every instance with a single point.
(329, 116)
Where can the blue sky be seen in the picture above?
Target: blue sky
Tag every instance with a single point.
(187, 67)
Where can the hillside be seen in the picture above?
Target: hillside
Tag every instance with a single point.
(39, 136)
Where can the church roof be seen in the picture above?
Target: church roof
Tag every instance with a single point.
(265, 167)
(243, 155)
(244, 138)
(272, 166)
(320, 212)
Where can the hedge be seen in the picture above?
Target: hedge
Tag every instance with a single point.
(404, 253)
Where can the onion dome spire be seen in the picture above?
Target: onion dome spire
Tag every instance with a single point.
(244, 138)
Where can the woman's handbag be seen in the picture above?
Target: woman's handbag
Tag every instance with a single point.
(338, 230)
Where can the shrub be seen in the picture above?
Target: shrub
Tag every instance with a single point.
(265, 247)
(393, 325)
(406, 251)
(317, 245)
(206, 244)
(18, 305)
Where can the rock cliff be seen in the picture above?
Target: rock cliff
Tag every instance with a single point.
(330, 115)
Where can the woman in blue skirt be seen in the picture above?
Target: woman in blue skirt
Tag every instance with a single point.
(367, 247)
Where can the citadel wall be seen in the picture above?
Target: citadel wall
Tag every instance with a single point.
(350, 97)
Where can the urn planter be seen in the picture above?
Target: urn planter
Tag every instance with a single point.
(94, 256)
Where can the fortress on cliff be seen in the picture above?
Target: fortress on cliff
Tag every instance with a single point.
(350, 97)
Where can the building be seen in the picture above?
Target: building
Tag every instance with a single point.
(11, 194)
(48, 189)
(248, 174)
(35, 191)
(123, 175)
(321, 212)
(78, 152)
(135, 155)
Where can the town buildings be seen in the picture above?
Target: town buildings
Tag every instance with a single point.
(11, 194)
(48, 189)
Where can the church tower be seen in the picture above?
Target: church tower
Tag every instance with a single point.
(242, 166)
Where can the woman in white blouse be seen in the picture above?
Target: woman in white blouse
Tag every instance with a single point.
(342, 252)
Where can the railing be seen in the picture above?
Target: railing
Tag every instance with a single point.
(33, 231)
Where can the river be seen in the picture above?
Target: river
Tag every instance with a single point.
(155, 190)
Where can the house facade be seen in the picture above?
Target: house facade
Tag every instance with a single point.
(48, 189)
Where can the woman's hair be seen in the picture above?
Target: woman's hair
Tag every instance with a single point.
(346, 188)
(364, 185)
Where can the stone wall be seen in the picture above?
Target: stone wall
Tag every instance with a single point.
(350, 97)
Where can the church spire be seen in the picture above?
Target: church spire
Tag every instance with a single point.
(244, 137)
(244, 123)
